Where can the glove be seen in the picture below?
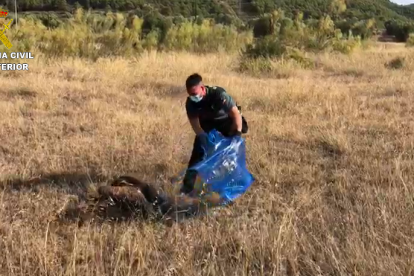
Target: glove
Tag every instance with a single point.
(202, 144)
(203, 138)
(236, 133)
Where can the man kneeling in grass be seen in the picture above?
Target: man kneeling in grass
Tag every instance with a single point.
(208, 108)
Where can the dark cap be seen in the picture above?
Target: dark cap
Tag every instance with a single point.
(193, 80)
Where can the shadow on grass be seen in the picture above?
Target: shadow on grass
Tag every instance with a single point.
(75, 183)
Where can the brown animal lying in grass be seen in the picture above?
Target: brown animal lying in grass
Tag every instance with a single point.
(128, 197)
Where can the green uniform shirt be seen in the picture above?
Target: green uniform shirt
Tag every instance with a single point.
(213, 109)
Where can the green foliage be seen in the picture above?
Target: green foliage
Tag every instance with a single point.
(230, 11)
(267, 47)
(281, 30)
(379, 10)
(256, 66)
(347, 46)
(290, 39)
(163, 20)
(307, 35)
(192, 37)
(400, 29)
(115, 34)
(277, 22)
(410, 41)
(363, 28)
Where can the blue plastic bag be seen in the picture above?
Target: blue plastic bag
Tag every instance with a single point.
(223, 169)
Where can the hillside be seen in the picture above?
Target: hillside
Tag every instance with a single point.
(227, 10)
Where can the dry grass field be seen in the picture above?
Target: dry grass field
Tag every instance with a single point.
(331, 148)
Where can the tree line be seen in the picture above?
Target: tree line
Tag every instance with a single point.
(380, 10)
(348, 16)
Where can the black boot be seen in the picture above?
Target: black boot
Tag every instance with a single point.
(188, 182)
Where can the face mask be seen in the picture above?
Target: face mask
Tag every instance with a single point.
(196, 98)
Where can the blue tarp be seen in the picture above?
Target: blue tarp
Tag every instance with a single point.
(223, 170)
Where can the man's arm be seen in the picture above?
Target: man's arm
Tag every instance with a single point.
(192, 116)
(195, 124)
(229, 105)
(237, 119)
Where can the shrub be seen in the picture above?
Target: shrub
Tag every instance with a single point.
(290, 39)
(114, 34)
(267, 47)
(401, 30)
(255, 66)
(410, 41)
(396, 63)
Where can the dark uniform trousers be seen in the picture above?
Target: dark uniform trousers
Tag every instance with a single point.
(198, 153)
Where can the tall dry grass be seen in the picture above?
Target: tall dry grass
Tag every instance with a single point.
(331, 148)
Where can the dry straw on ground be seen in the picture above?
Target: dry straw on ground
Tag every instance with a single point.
(331, 148)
